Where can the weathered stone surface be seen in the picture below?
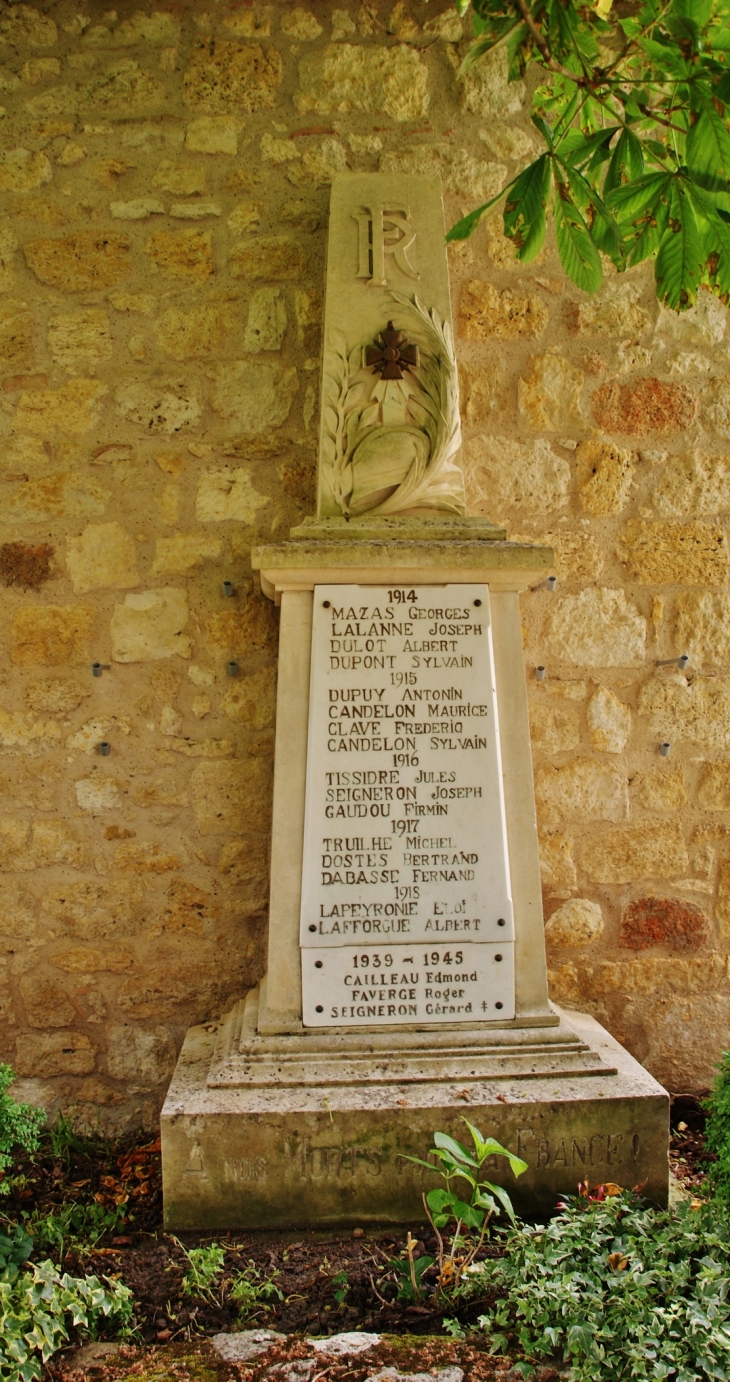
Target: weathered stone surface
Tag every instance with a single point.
(604, 474)
(28, 845)
(248, 628)
(16, 336)
(19, 731)
(183, 179)
(512, 475)
(663, 921)
(609, 721)
(81, 338)
(124, 89)
(649, 406)
(97, 794)
(596, 628)
(65, 495)
(46, 1002)
(51, 635)
(86, 738)
(149, 625)
(155, 30)
(22, 171)
(194, 332)
(557, 867)
(554, 728)
(145, 857)
(268, 256)
(582, 789)
(614, 311)
(23, 26)
(138, 209)
(140, 1056)
(697, 483)
(663, 789)
(461, 173)
(266, 320)
(636, 852)
(86, 260)
(693, 553)
(213, 134)
(160, 790)
(44, 1054)
(485, 90)
(163, 406)
(104, 555)
(346, 77)
(228, 494)
(699, 712)
(227, 78)
(722, 906)
(549, 393)
(484, 312)
(74, 408)
(300, 24)
(56, 695)
(185, 552)
(578, 922)
(714, 788)
(229, 797)
(253, 397)
(703, 624)
(252, 700)
(183, 253)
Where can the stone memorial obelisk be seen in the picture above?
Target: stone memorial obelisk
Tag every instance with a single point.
(406, 981)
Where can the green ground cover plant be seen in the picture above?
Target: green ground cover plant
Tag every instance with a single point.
(717, 1130)
(20, 1126)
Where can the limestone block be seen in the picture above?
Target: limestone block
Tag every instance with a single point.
(171, 721)
(51, 635)
(714, 789)
(548, 394)
(16, 336)
(80, 338)
(88, 735)
(615, 310)
(582, 789)
(76, 263)
(133, 302)
(248, 628)
(227, 78)
(484, 312)
(609, 721)
(196, 332)
(578, 554)
(693, 553)
(578, 922)
(596, 628)
(266, 320)
(461, 173)
(73, 408)
(194, 211)
(278, 150)
(247, 24)
(138, 209)
(702, 325)
(140, 1056)
(663, 921)
(253, 397)
(228, 495)
(46, 1002)
(252, 700)
(145, 857)
(722, 906)
(557, 868)
(8, 246)
(69, 495)
(182, 253)
(487, 92)
(20, 731)
(92, 908)
(300, 24)
(148, 626)
(125, 89)
(553, 728)
(213, 134)
(245, 216)
(23, 171)
(163, 406)
(23, 26)
(45, 1054)
(512, 475)
(183, 179)
(346, 77)
(97, 794)
(634, 853)
(104, 555)
(185, 552)
(156, 30)
(268, 256)
(650, 406)
(661, 790)
(695, 483)
(229, 797)
(28, 845)
(604, 475)
(703, 624)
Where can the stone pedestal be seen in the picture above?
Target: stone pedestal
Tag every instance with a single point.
(262, 1108)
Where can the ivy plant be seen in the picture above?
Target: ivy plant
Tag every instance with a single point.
(632, 113)
(20, 1125)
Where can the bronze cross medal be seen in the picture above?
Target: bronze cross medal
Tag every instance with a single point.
(391, 354)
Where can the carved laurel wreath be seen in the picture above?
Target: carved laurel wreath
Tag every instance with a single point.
(349, 413)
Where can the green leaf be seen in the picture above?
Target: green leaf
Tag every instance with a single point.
(464, 228)
(578, 254)
(525, 218)
(504, 1199)
(459, 1153)
(716, 249)
(636, 198)
(627, 162)
(708, 149)
(679, 260)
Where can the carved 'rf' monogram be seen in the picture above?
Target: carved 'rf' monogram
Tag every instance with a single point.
(384, 229)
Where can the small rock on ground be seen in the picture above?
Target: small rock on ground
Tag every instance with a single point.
(249, 1343)
(342, 1344)
(393, 1375)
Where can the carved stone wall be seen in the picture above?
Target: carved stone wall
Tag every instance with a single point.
(163, 192)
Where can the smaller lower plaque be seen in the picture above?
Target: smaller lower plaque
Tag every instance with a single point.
(345, 986)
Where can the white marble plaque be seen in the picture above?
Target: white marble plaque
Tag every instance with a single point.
(405, 839)
(379, 985)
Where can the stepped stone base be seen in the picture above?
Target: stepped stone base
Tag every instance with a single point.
(314, 1130)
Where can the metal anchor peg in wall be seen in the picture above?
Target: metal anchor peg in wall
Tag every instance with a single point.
(391, 354)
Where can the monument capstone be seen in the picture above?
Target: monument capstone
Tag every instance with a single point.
(405, 983)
